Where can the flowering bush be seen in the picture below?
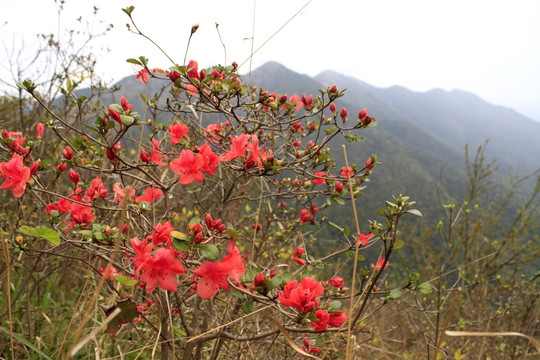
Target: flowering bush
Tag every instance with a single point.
(204, 214)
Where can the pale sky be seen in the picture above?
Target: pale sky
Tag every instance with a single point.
(490, 48)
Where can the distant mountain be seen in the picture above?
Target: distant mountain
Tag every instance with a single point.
(454, 118)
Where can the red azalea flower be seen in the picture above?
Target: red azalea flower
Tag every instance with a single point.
(80, 215)
(239, 145)
(49, 208)
(156, 156)
(97, 189)
(188, 166)
(15, 175)
(337, 282)
(320, 178)
(159, 269)
(344, 171)
(379, 265)
(40, 129)
(177, 132)
(303, 297)
(149, 195)
(142, 75)
(211, 160)
(162, 233)
(339, 187)
(362, 239)
(314, 350)
(296, 100)
(337, 319)
(368, 164)
(214, 273)
(64, 205)
(193, 72)
(125, 105)
(323, 317)
(120, 193)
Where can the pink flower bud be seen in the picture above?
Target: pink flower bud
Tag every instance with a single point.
(333, 90)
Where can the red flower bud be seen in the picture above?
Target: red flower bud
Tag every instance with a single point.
(208, 219)
(282, 99)
(333, 108)
(333, 90)
(74, 176)
(5, 134)
(174, 75)
(34, 167)
(259, 279)
(343, 114)
(68, 153)
(199, 237)
(144, 157)
(249, 164)
(362, 114)
(125, 105)
(339, 187)
(115, 115)
(61, 167)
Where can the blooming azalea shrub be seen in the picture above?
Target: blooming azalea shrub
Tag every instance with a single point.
(208, 214)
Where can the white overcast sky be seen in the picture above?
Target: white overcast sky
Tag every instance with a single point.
(490, 48)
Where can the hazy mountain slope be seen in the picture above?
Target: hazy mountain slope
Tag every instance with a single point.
(453, 117)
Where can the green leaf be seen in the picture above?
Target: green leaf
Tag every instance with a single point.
(396, 293)
(127, 120)
(180, 245)
(129, 10)
(276, 281)
(122, 280)
(48, 234)
(25, 342)
(346, 231)
(398, 244)
(382, 212)
(414, 212)
(335, 305)
(248, 307)
(210, 252)
(118, 108)
(425, 288)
